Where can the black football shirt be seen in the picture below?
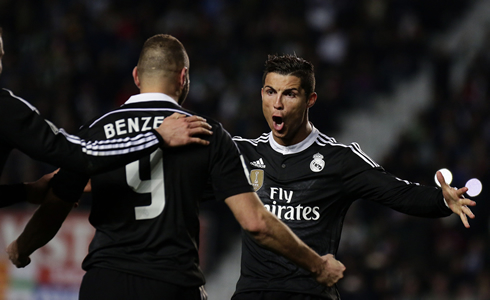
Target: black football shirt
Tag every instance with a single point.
(310, 186)
(146, 213)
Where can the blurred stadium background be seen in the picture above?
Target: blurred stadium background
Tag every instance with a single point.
(407, 79)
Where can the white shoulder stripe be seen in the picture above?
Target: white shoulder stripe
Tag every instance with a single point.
(406, 181)
(121, 151)
(114, 146)
(121, 143)
(264, 138)
(353, 146)
(326, 138)
(364, 155)
(32, 107)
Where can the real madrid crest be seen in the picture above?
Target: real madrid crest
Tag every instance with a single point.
(257, 179)
(317, 164)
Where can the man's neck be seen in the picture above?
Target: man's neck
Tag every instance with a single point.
(300, 136)
(160, 90)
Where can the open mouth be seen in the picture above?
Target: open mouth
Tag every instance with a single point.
(278, 123)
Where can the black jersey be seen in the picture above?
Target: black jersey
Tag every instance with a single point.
(22, 128)
(310, 186)
(146, 213)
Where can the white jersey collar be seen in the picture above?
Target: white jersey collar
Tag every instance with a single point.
(145, 97)
(296, 148)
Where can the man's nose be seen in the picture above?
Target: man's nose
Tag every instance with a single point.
(278, 102)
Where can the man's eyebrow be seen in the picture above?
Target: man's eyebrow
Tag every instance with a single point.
(291, 89)
(285, 91)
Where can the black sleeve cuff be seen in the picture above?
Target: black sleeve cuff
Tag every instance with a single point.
(159, 137)
(12, 194)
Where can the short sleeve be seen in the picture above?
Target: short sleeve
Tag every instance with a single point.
(229, 176)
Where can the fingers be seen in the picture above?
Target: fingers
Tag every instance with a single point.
(334, 270)
(177, 116)
(179, 130)
(195, 140)
(14, 257)
(193, 121)
(464, 219)
(195, 118)
(26, 262)
(199, 130)
(467, 202)
(440, 178)
(468, 212)
(462, 191)
(21, 263)
(198, 124)
(190, 119)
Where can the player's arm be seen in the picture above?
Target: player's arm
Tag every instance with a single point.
(409, 198)
(40, 229)
(23, 128)
(270, 232)
(66, 188)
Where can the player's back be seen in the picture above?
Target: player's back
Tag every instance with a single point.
(146, 213)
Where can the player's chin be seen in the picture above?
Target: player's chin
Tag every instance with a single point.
(279, 134)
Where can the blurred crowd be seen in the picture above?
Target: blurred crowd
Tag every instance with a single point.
(73, 60)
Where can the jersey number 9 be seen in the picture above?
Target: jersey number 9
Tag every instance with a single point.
(154, 186)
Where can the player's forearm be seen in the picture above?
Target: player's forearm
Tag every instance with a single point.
(43, 225)
(267, 230)
(280, 239)
(401, 195)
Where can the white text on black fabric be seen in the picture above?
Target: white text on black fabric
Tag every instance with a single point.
(130, 125)
(280, 196)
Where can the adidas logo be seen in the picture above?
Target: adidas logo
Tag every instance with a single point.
(258, 163)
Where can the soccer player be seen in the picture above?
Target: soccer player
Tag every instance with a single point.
(146, 213)
(308, 180)
(22, 128)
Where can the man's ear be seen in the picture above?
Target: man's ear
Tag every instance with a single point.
(311, 100)
(183, 76)
(135, 77)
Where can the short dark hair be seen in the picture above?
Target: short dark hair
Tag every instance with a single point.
(292, 65)
(162, 53)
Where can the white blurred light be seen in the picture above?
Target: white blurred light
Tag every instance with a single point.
(448, 176)
(474, 187)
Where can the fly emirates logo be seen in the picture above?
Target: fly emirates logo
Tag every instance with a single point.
(280, 206)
